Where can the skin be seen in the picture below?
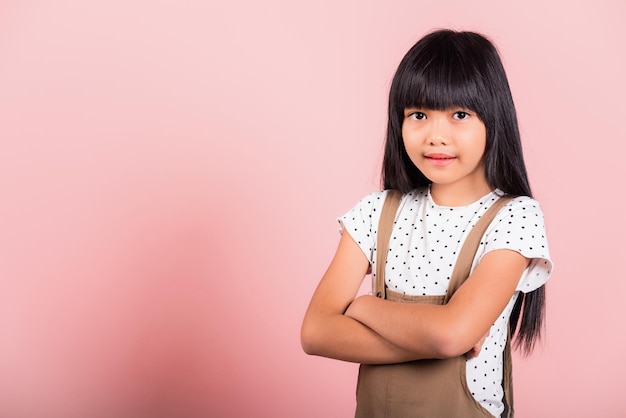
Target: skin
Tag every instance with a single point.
(448, 147)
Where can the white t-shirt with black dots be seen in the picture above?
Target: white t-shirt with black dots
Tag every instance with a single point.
(424, 243)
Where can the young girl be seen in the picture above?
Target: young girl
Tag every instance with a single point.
(453, 150)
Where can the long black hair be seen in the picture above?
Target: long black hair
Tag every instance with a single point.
(448, 69)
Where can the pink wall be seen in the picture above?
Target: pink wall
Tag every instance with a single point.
(171, 171)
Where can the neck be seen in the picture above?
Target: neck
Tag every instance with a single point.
(454, 195)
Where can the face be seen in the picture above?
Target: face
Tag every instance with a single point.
(448, 147)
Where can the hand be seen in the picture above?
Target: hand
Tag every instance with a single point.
(475, 351)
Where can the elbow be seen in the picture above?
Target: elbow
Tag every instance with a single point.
(451, 342)
(309, 339)
(308, 344)
(447, 349)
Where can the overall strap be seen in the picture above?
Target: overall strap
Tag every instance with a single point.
(463, 263)
(385, 226)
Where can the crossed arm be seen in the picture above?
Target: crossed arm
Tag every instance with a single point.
(375, 331)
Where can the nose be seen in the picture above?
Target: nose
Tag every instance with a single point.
(437, 140)
(439, 129)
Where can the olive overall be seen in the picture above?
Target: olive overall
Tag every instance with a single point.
(425, 388)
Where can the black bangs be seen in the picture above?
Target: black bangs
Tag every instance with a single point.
(439, 89)
(442, 74)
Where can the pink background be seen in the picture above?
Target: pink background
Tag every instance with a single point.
(171, 173)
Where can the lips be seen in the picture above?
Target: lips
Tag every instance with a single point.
(440, 156)
(440, 159)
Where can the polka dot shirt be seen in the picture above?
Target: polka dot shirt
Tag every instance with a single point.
(423, 247)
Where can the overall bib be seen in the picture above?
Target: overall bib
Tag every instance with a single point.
(425, 388)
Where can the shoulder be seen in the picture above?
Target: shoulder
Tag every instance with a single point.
(374, 200)
(365, 215)
(523, 201)
(520, 227)
(521, 209)
(362, 219)
(366, 207)
(521, 213)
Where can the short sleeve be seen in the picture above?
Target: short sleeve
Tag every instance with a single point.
(361, 222)
(520, 227)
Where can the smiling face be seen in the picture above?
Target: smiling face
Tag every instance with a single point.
(448, 147)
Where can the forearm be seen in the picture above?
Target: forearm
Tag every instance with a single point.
(418, 328)
(440, 331)
(344, 338)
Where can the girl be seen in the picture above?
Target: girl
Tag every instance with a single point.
(452, 150)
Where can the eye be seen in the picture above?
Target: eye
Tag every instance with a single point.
(416, 116)
(460, 115)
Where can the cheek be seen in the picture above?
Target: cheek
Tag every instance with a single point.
(413, 151)
(406, 142)
(409, 139)
(404, 133)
